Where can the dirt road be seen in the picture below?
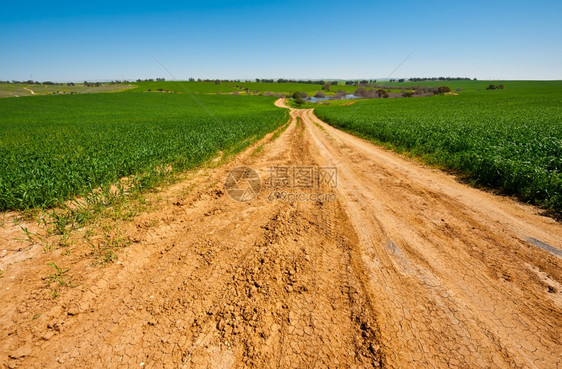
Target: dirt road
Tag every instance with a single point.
(397, 266)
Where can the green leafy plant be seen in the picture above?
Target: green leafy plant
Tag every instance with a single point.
(57, 279)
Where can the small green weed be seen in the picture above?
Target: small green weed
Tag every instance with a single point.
(57, 278)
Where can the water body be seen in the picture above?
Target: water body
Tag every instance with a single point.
(345, 97)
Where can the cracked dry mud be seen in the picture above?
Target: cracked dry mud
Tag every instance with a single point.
(407, 268)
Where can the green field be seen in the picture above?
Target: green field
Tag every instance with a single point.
(507, 139)
(185, 87)
(53, 148)
(227, 87)
(478, 86)
(286, 88)
(253, 88)
(24, 89)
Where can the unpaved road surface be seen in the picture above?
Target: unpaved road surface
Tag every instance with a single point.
(398, 266)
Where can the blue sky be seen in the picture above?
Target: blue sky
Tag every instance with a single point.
(103, 40)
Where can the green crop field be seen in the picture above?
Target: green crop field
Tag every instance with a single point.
(228, 87)
(254, 88)
(55, 147)
(25, 89)
(507, 139)
(287, 88)
(477, 86)
(185, 87)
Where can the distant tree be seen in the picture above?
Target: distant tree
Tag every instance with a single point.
(320, 95)
(302, 95)
(326, 86)
(500, 87)
(340, 94)
(217, 81)
(441, 90)
(299, 100)
(407, 93)
(361, 91)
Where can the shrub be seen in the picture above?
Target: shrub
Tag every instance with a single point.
(297, 94)
(407, 93)
(320, 95)
(382, 93)
(442, 90)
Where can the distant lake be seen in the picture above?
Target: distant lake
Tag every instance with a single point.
(344, 97)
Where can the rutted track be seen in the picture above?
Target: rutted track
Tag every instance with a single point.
(408, 268)
(456, 282)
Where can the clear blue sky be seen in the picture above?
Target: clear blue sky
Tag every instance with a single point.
(105, 40)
